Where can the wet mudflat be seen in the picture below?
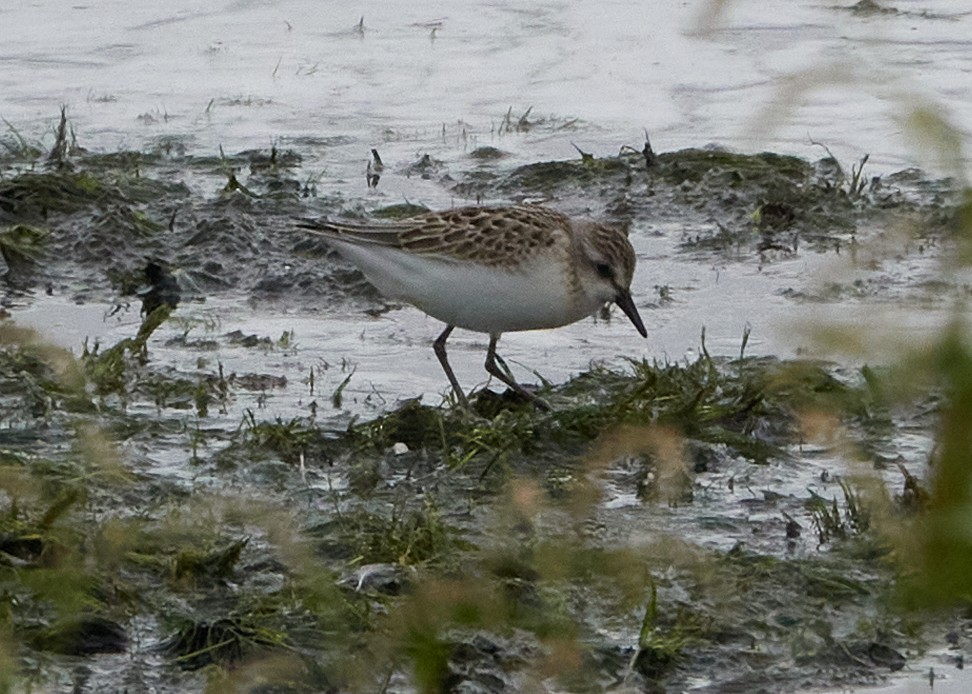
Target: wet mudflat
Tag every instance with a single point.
(267, 486)
(213, 494)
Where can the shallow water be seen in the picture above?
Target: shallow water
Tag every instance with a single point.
(440, 78)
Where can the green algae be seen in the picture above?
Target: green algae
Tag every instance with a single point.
(111, 371)
(488, 154)
(405, 536)
(224, 641)
(22, 246)
(400, 211)
(290, 440)
(706, 401)
(192, 565)
(82, 635)
(547, 176)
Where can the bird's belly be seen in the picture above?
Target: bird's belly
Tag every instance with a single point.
(476, 297)
(495, 301)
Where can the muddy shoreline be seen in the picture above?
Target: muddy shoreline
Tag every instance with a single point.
(189, 505)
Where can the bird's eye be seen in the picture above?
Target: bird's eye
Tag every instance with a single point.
(605, 271)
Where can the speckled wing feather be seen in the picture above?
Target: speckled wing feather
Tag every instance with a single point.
(485, 235)
(382, 234)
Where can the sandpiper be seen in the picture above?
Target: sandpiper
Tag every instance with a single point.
(492, 270)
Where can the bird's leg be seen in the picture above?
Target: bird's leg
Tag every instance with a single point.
(502, 364)
(440, 351)
(494, 370)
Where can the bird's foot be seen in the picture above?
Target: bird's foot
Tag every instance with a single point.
(489, 403)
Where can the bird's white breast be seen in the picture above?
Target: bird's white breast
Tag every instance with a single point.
(487, 299)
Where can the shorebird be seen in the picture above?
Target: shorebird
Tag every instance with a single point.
(492, 270)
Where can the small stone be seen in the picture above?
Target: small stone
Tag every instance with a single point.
(399, 448)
